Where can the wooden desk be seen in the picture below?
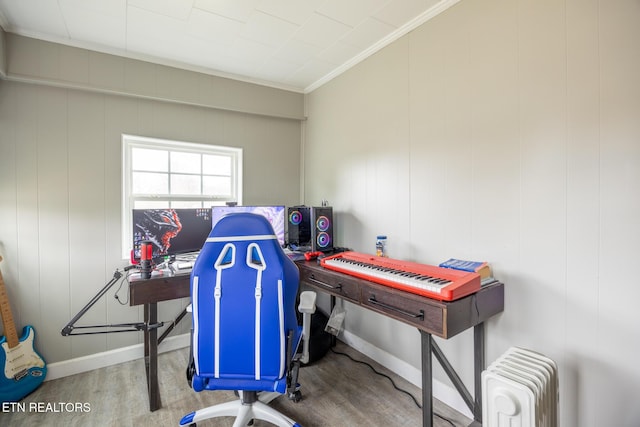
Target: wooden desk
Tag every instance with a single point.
(149, 292)
(443, 319)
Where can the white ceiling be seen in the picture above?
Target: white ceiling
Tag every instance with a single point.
(291, 44)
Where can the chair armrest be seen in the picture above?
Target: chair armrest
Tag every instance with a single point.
(307, 302)
(307, 306)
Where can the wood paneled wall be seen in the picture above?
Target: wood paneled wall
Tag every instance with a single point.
(62, 113)
(502, 131)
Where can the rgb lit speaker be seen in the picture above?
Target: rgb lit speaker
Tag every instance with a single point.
(299, 225)
(321, 228)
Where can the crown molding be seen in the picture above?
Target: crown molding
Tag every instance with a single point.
(384, 42)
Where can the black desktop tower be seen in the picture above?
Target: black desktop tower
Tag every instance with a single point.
(311, 228)
(322, 228)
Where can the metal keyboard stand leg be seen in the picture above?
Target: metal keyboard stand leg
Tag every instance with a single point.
(430, 347)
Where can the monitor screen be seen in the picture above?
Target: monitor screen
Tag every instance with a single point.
(172, 231)
(275, 215)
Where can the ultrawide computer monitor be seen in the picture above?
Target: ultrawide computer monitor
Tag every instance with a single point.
(172, 231)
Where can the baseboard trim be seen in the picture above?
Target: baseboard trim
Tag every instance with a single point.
(112, 357)
(443, 392)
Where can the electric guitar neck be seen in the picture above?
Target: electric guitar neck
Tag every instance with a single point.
(10, 331)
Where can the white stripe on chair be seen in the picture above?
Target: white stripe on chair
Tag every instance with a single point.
(217, 294)
(260, 267)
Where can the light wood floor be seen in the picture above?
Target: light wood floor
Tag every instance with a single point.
(336, 392)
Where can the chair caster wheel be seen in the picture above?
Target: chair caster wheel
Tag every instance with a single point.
(296, 396)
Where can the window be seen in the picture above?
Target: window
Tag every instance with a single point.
(171, 174)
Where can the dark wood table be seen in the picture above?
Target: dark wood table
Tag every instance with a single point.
(149, 292)
(431, 317)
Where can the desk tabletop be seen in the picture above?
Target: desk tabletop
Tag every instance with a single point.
(162, 286)
(441, 318)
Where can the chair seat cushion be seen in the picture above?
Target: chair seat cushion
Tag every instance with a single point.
(251, 384)
(228, 381)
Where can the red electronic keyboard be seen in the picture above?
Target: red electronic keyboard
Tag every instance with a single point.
(444, 284)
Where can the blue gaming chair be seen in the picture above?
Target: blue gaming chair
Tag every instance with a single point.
(245, 334)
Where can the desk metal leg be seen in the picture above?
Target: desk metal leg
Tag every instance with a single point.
(429, 347)
(478, 367)
(151, 355)
(427, 384)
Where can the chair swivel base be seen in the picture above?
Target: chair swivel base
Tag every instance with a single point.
(246, 409)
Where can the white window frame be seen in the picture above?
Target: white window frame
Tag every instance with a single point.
(128, 199)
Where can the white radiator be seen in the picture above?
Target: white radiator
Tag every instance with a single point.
(520, 389)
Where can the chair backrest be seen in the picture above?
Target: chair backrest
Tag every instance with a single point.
(243, 290)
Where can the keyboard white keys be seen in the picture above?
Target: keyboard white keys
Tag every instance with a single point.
(419, 281)
(427, 280)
